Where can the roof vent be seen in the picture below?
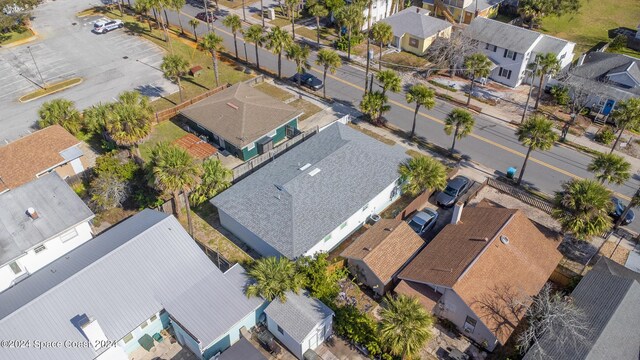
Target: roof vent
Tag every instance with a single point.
(366, 249)
(232, 106)
(388, 229)
(305, 167)
(32, 213)
(504, 239)
(314, 171)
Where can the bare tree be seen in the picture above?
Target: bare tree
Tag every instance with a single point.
(449, 53)
(582, 92)
(108, 191)
(502, 308)
(553, 321)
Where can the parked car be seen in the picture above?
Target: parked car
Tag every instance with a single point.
(203, 17)
(618, 209)
(455, 188)
(104, 26)
(423, 221)
(308, 80)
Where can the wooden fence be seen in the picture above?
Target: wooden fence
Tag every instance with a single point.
(521, 195)
(243, 170)
(167, 114)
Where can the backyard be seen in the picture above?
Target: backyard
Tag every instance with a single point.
(165, 131)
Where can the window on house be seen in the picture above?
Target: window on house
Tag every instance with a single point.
(562, 56)
(470, 325)
(153, 318)
(69, 235)
(413, 42)
(327, 238)
(505, 73)
(15, 268)
(40, 249)
(280, 330)
(491, 47)
(365, 207)
(510, 54)
(127, 338)
(344, 225)
(251, 146)
(273, 133)
(144, 324)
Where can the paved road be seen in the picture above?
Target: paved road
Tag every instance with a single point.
(66, 50)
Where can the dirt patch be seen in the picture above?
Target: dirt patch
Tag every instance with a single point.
(618, 254)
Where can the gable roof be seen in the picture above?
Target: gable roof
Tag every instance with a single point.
(385, 247)
(416, 22)
(120, 278)
(242, 349)
(300, 314)
(57, 205)
(550, 44)
(240, 114)
(472, 259)
(609, 297)
(596, 66)
(290, 209)
(503, 35)
(22, 160)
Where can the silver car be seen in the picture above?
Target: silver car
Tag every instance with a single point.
(423, 221)
(455, 188)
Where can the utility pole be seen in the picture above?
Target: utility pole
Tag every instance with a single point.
(526, 105)
(206, 15)
(44, 85)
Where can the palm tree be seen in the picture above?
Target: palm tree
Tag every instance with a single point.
(423, 96)
(610, 168)
(351, 17)
(626, 115)
(62, 112)
(173, 67)
(292, 6)
(173, 171)
(330, 61)
(374, 104)
(142, 7)
(317, 10)
(582, 208)
(299, 55)
(159, 6)
(536, 133)
(213, 43)
(94, 117)
(405, 326)
(382, 33)
(389, 80)
(234, 23)
(177, 6)
(547, 64)
(255, 35)
(194, 24)
(460, 123)
(476, 65)
(215, 178)
(273, 278)
(129, 121)
(278, 41)
(422, 173)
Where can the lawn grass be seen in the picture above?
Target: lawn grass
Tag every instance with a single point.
(591, 24)
(361, 49)
(51, 89)
(274, 91)
(404, 58)
(372, 134)
(13, 36)
(327, 36)
(232, 4)
(629, 52)
(165, 131)
(306, 107)
(280, 22)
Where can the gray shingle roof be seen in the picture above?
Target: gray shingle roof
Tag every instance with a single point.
(354, 168)
(120, 278)
(502, 35)
(597, 65)
(550, 44)
(609, 296)
(240, 114)
(298, 315)
(418, 24)
(58, 208)
(242, 350)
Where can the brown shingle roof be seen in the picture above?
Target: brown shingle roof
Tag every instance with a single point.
(425, 294)
(240, 114)
(23, 159)
(489, 275)
(385, 247)
(196, 147)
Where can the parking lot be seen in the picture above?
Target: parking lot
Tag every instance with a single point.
(108, 64)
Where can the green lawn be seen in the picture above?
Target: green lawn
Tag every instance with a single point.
(327, 35)
(305, 106)
(165, 131)
(591, 24)
(51, 89)
(13, 36)
(274, 91)
(404, 58)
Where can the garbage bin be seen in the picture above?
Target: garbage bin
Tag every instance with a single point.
(511, 172)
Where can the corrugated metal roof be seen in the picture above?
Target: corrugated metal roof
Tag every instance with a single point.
(280, 203)
(299, 314)
(120, 278)
(58, 208)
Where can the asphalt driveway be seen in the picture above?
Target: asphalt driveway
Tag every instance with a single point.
(108, 64)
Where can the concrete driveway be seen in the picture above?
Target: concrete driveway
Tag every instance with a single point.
(108, 64)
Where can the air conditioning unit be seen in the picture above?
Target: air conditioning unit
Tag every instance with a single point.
(264, 145)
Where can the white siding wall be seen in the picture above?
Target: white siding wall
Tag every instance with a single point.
(54, 248)
(456, 310)
(516, 66)
(286, 339)
(375, 206)
(379, 9)
(324, 329)
(318, 335)
(246, 235)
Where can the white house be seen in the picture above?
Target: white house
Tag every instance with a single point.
(39, 222)
(512, 49)
(380, 9)
(315, 195)
(302, 323)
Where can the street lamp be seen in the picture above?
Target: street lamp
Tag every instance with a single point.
(44, 85)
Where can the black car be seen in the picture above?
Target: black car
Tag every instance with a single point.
(618, 209)
(203, 17)
(455, 188)
(308, 80)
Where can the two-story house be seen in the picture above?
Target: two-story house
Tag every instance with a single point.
(39, 222)
(462, 11)
(512, 49)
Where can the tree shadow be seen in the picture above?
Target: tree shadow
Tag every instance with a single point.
(501, 308)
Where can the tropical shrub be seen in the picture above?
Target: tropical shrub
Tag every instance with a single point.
(560, 94)
(605, 136)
